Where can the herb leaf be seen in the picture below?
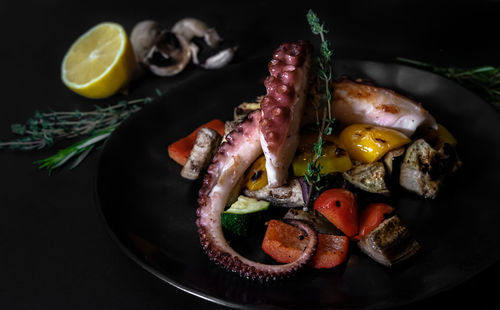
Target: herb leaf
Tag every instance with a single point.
(483, 79)
(324, 86)
(45, 129)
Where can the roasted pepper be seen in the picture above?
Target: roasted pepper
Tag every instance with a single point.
(256, 175)
(334, 158)
(368, 143)
(445, 136)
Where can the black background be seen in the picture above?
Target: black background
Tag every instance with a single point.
(55, 252)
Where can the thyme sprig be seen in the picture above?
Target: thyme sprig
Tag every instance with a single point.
(323, 87)
(483, 79)
(45, 129)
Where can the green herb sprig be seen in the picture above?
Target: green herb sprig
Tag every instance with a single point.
(43, 130)
(483, 79)
(324, 87)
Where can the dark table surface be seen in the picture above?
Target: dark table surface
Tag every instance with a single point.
(55, 251)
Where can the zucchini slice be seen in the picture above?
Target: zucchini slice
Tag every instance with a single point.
(244, 216)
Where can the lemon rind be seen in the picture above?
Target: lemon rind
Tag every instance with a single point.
(123, 36)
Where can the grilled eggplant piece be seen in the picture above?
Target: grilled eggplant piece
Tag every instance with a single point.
(240, 113)
(206, 144)
(389, 243)
(315, 219)
(288, 195)
(391, 157)
(416, 169)
(368, 177)
(228, 127)
(242, 110)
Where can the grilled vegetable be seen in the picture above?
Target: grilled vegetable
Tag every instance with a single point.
(206, 144)
(424, 168)
(340, 207)
(445, 136)
(389, 243)
(372, 216)
(289, 195)
(256, 176)
(368, 177)
(416, 170)
(368, 143)
(332, 251)
(391, 158)
(334, 159)
(315, 219)
(242, 110)
(179, 150)
(285, 243)
(244, 215)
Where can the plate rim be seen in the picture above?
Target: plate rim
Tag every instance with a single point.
(227, 303)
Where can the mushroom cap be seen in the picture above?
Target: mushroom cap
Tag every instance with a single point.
(169, 55)
(190, 27)
(143, 37)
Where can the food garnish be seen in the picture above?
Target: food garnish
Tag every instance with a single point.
(322, 106)
(483, 79)
(100, 62)
(45, 129)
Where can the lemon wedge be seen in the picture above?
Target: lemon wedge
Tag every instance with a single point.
(100, 62)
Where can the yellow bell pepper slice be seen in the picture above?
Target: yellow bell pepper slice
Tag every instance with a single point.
(256, 175)
(445, 136)
(368, 143)
(334, 158)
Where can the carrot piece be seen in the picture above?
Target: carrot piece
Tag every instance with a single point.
(340, 207)
(179, 150)
(372, 216)
(285, 243)
(332, 251)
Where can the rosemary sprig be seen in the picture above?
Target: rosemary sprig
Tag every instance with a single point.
(324, 87)
(45, 129)
(483, 79)
(80, 149)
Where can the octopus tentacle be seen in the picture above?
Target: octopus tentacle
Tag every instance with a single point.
(282, 107)
(361, 102)
(234, 156)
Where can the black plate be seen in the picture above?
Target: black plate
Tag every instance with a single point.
(150, 209)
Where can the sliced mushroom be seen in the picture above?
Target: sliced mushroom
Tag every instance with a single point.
(208, 49)
(169, 55)
(143, 37)
(190, 27)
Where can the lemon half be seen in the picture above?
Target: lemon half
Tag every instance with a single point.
(100, 62)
